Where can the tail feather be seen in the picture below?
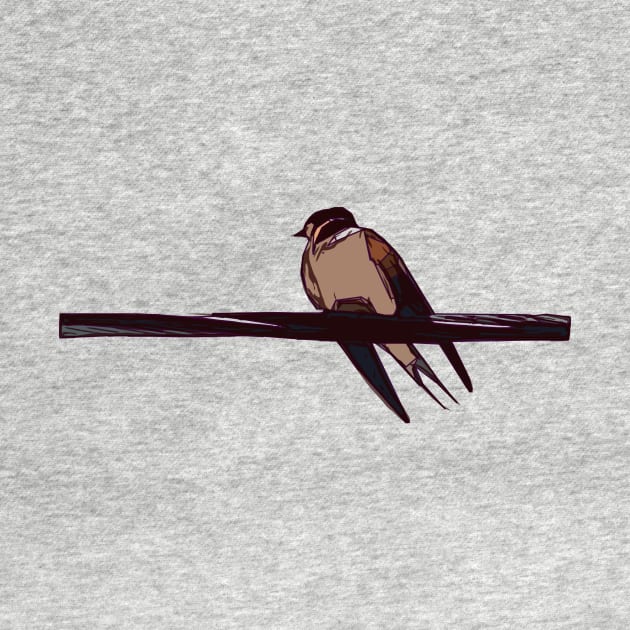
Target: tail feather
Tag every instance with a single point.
(408, 357)
(415, 375)
(418, 305)
(421, 365)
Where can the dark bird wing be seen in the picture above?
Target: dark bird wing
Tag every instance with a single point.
(407, 294)
(368, 363)
(448, 347)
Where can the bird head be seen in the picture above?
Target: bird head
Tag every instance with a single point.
(340, 216)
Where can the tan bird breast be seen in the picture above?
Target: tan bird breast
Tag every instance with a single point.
(346, 275)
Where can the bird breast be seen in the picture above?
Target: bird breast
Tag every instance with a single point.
(346, 274)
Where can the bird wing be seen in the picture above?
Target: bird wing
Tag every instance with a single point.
(448, 348)
(367, 362)
(407, 294)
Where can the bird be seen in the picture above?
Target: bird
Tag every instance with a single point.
(349, 268)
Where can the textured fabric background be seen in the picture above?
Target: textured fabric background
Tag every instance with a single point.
(156, 157)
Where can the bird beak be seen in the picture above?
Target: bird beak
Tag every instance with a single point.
(300, 233)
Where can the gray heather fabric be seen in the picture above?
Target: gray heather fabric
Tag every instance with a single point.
(155, 157)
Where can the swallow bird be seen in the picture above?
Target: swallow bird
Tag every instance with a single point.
(346, 267)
